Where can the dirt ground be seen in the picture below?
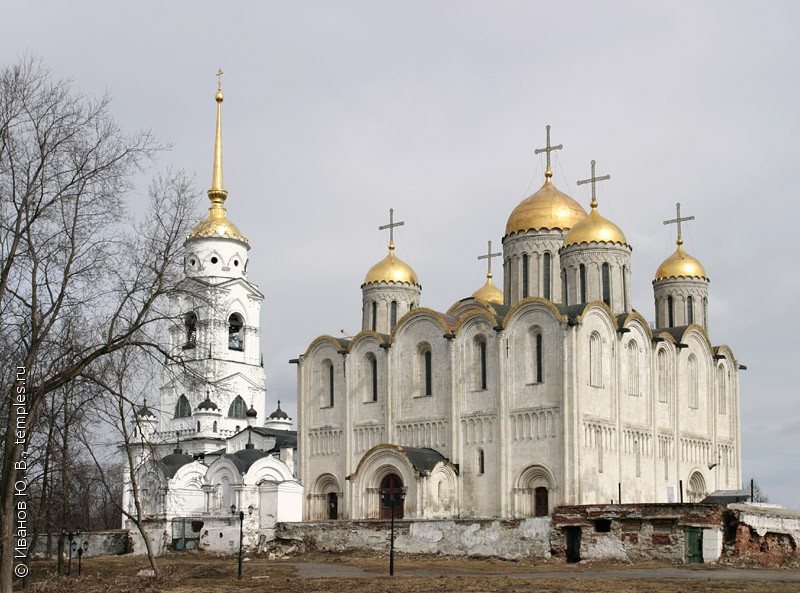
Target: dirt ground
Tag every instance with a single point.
(364, 573)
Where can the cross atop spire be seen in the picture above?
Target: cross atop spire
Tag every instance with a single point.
(489, 255)
(594, 179)
(678, 220)
(548, 149)
(391, 226)
(219, 79)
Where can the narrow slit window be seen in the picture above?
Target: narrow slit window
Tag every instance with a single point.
(606, 272)
(546, 276)
(582, 274)
(525, 278)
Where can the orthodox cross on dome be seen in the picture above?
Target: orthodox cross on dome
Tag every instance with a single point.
(489, 255)
(594, 179)
(391, 226)
(678, 221)
(219, 79)
(548, 149)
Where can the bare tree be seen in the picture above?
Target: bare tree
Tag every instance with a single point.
(125, 381)
(78, 280)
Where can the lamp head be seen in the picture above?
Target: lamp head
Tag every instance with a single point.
(86, 544)
(233, 509)
(250, 509)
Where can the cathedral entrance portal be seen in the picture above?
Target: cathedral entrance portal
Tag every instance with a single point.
(393, 486)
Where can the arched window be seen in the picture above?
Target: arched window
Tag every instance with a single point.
(625, 287)
(525, 278)
(633, 368)
(689, 310)
(537, 356)
(235, 332)
(373, 372)
(480, 363)
(425, 361)
(606, 273)
(705, 313)
(721, 388)
(238, 408)
(582, 277)
(393, 310)
(190, 329)
(670, 312)
(564, 287)
(428, 373)
(694, 399)
(198, 426)
(182, 408)
(481, 462)
(327, 378)
(662, 379)
(595, 360)
(214, 426)
(546, 276)
(374, 316)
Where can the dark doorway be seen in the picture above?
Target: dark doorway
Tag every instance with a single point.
(392, 484)
(540, 502)
(573, 543)
(333, 505)
(694, 545)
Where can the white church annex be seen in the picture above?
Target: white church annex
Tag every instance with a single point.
(553, 391)
(205, 452)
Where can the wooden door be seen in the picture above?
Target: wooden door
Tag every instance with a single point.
(540, 502)
(393, 486)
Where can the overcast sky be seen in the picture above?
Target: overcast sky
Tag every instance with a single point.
(336, 111)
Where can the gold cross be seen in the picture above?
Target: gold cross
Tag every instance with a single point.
(219, 79)
(391, 226)
(548, 149)
(594, 179)
(678, 221)
(489, 255)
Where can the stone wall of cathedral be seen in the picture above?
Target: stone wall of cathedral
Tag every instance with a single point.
(581, 410)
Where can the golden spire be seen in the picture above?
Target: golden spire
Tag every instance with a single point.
(216, 224)
(217, 193)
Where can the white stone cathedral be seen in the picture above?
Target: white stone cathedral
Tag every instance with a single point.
(553, 391)
(203, 452)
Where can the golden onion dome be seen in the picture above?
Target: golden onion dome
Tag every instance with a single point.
(595, 229)
(391, 269)
(489, 292)
(680, 265)
(216, 223)
(547, 209)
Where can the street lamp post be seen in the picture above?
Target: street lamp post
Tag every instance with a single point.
(241, 533)
(81, 550)
(392, 500)
(71, 545)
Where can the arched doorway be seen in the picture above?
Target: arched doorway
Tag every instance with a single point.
(333, 505)
(393, 486)
(541, 507)
(697, 487)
